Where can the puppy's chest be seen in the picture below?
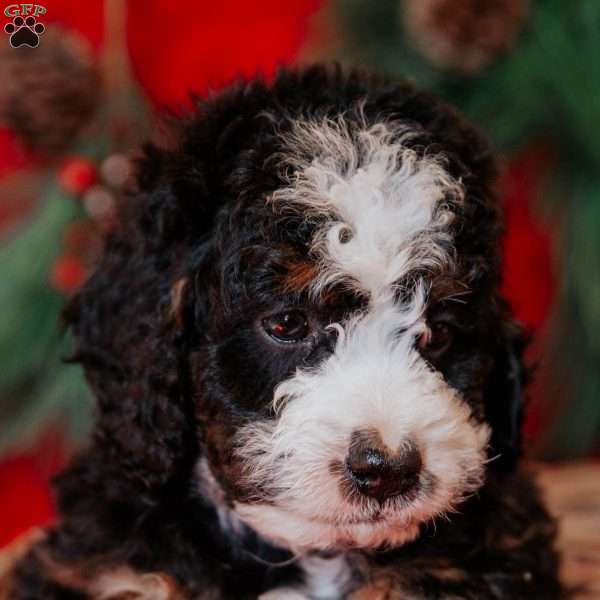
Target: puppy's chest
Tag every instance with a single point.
(324, 579)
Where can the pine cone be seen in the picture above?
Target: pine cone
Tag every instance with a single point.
(48, 93)
(464, 35)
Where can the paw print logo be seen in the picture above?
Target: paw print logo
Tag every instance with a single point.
(24, 32)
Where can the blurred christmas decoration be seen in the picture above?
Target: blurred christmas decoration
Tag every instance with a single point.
(49, 93)
(79, 116)
(528, 74)
(465, 35)
(76, 175)
(24, 489)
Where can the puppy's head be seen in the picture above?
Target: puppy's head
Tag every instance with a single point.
(300, 312)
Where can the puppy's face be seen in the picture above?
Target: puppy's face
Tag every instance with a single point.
(340, 382)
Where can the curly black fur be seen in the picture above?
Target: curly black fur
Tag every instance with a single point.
(160, 332)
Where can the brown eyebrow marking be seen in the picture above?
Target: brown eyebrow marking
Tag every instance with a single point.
(177, 293)
(299, 276)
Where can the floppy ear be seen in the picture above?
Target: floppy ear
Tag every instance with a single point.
(505, 399)
(130, 325)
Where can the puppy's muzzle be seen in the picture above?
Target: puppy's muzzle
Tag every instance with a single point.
(378, 472)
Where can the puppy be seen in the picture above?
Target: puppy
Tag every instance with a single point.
(308, 384)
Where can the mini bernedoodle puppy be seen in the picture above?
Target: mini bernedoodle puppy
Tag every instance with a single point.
(308, 384)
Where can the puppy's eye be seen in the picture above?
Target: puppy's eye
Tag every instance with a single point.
(436, 340)
(287, 327)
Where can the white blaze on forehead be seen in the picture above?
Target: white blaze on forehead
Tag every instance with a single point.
(382, 209)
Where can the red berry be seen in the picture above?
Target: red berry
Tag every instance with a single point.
(67, 274)
(77, 175)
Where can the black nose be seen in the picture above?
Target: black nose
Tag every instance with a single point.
(379, 472)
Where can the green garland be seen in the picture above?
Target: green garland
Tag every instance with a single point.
(37, 389)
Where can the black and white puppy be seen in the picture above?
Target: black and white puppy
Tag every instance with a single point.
(308, 383)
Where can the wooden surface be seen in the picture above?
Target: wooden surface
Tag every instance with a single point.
(572, 493)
